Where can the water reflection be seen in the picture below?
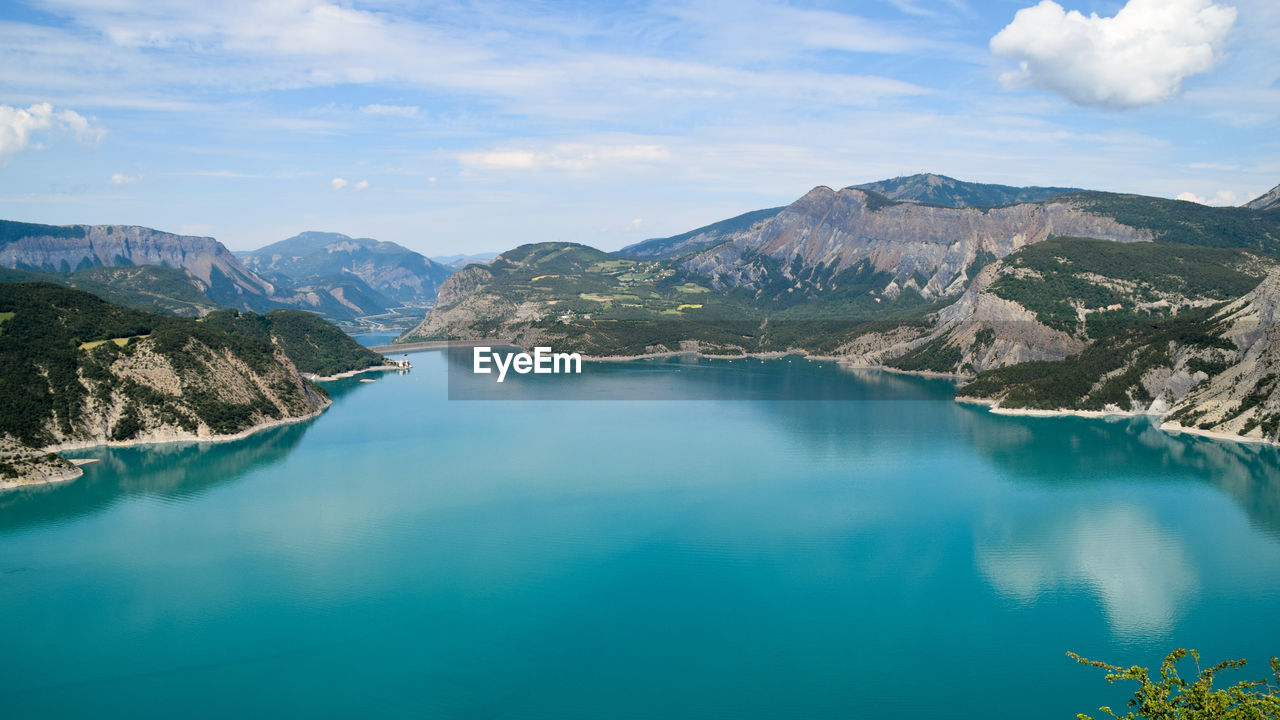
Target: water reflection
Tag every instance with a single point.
(1142, 575)
(173, 470)
(688, 377)
(1074, 452)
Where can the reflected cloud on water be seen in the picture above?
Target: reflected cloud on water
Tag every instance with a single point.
(1142, 575)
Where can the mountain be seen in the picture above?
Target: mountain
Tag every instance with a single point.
(315, 347)
(153, 288)
(457, 262)
(819, 242)
(1085, 301)
(699, 239)
(212, 269)
(79, 370)
(1267, 201)
(362, 274)
(930, 189)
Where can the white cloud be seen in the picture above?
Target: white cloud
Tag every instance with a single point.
(406, 111)
(340, 183)
(1142, 575)
(1139, 57)
(570, 157)
(1221, 197)
(18, 127)
(122, 179)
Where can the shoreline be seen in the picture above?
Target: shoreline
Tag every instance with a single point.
(1174, 428)
(349, 373)
(1170, 427)
(995, 409)
(181, 436)
(178, 436)
(74, 473)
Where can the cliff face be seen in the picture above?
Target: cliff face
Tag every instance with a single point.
(148, 395)
(21, 465)
(813, 240)
(80, 371)
(217, 272)
(1268, 201)
(1243, 399)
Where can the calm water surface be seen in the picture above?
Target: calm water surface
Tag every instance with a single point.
(887, 553)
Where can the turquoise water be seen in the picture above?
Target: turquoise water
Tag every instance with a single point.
(886, 554)
(375, 337)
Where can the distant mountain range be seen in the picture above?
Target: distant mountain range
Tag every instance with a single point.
(335, 275)
(1046, 298)
(362, 275)
(457, 262)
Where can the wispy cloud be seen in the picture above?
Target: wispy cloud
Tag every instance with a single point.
(569, 157)
(405, 111)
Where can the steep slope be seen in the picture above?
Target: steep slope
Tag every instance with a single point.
(66, 249)
(931, 189)
(1144, 320)
(381, 271)
(699, 239)
(1244, 397)
(810, 247)
(152, 288)
(1267, 201)
(78, 370)
(316, 347)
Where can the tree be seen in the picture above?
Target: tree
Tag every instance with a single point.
(1172, 698)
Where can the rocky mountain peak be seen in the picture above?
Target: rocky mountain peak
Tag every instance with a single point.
(1267, 201)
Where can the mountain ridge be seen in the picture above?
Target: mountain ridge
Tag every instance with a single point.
(934, 189)
(1083, 302)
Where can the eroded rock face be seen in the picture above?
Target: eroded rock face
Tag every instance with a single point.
(1244, 399)
(204, 258)
(831, 231)
(21, 465)
(146, 396)
(1268, 201)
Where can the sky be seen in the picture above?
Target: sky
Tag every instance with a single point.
(456, 127)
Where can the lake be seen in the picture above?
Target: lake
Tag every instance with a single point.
(799, 541)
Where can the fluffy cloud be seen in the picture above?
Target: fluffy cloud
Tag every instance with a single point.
(1222, 197)
(340, 183)
(1139, 57)
(18, 127)
(122, 179)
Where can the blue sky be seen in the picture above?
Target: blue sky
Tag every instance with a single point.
(472, 126)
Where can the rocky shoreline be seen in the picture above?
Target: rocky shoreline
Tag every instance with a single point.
(350, 373)
(168, 435)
